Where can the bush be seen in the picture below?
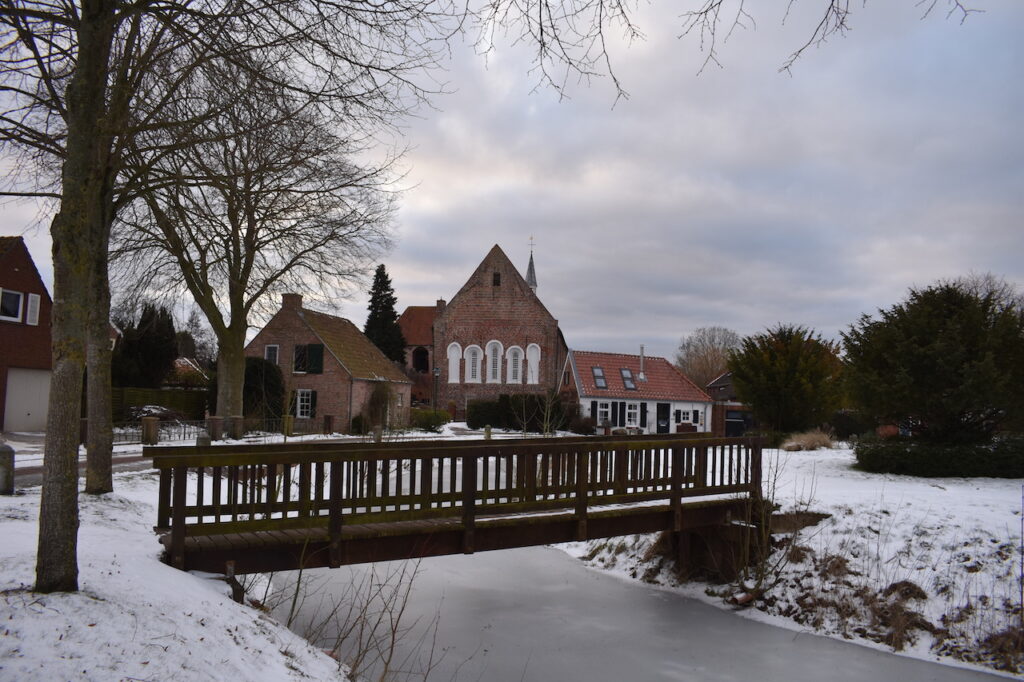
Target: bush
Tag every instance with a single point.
(481, 413)
(808, 440)
(358, 425)
(428, 420)
(535, 412)
(582, 425)
(847, 424)
(1001, 458)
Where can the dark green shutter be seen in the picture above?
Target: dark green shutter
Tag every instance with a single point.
(593, 411)
(643, 415)
(679, 416)
(315, 358)
(622, 414)
(312, 402)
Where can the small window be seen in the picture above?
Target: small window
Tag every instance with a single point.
(398, 399)
(627, 379)
(32, 312)
(632, 414)
(301, 363)
(10, 305)
(599, 380)
(304, 403)
(603, 414)
(270, 353)
(496, 279)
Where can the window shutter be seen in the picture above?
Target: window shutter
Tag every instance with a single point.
(312, 402)
(679, 416)
(300, 358)
(615, 414)
(643, 415)
(622, 414)
(593, 411)
(315, 358)
(32, 313)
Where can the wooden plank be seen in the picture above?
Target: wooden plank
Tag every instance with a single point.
(468, 501)
(179, 482)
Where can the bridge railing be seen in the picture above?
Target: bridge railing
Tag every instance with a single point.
(276, 487)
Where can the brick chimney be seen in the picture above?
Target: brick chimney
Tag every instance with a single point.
(291, 301)
(440, 305)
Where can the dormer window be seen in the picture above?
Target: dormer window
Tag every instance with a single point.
(599, 380)
(627, 379)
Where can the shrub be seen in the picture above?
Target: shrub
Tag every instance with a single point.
(1001, 458)
(808, 440)
(481, 413)
(428, 420)
(582, 425)
(848, 424)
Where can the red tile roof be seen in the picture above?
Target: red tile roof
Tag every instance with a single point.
(417, 323)
(664, 381)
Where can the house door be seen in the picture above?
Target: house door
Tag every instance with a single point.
(663, 417)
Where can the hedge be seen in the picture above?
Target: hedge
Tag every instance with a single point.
(1002, 458)
(509, 412)
(428, 420)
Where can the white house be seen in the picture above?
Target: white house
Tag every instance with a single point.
(645, 394)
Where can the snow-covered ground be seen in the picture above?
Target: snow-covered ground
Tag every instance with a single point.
(957, 541)
(930, 567)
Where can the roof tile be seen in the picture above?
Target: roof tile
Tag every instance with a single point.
(664, 381)
(351, 347)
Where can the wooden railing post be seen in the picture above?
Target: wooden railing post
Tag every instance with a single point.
(163, 508)
(700, 468)
(468, 501)
(582, 493)
(677, 487)
(530, 476)
(755, 469)
(334, 520)
(621, 470)
(426, 481)
(180, 482)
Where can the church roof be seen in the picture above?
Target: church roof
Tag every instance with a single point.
(417, 323)
(531, 274)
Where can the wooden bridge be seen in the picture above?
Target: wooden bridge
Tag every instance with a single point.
(258, 508)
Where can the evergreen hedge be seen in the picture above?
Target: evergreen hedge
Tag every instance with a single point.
(429, 420)
(1001, 458)
(511, 411)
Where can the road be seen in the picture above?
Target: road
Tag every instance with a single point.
(538, 614)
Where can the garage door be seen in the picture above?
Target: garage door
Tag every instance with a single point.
(28, 391)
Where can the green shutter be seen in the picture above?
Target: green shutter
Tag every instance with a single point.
(643, 415)
(315, 358)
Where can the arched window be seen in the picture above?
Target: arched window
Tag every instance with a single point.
(421, 360)
(533, 364)
(454, 355)
(514, 359)
(494, 352)
(474, 361)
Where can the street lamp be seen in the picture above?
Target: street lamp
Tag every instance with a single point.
(437, 377)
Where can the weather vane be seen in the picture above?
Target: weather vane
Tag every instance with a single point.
(532, 243)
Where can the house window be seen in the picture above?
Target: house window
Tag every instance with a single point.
(10, 305)
(627, 379)
(533, 364)
(32, 312)
(309, 358)
(632, 414)
(398, 399)
(454, 356)
(270, 353)
(304, 403)
(494, 351)
(515, 365)
(496, 280)
(603, 413)
(599, 380)
(301, 360)
(474, 360)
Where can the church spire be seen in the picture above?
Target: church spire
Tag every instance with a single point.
(531, 273)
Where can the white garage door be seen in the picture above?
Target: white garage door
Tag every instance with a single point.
(28, 392)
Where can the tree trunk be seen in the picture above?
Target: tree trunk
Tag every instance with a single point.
(100, 440)
(77, 231)
(230, 373)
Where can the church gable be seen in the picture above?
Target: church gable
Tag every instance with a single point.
(497, 290)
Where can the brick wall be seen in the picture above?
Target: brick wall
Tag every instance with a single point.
(508, 312)
(23, 345)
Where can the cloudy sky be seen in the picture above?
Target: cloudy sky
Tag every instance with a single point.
(739, 197)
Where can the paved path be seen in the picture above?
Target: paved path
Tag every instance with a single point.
(537, 614)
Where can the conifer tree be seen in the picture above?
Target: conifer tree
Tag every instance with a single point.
(382, 322)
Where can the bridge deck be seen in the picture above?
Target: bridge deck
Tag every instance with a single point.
(270, 508)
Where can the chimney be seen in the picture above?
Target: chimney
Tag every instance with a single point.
(642, 376)
(291, 301)
(440, 305)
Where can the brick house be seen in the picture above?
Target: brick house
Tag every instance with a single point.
(25, 360)
(495, 337)
(417, 324)
(636, 392)
(330, 368)
(730, 417)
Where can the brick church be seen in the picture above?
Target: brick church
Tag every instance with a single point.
(494, 337)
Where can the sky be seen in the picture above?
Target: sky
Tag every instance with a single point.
(736, 196)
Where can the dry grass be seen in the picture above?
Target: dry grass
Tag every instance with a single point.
(808, 440)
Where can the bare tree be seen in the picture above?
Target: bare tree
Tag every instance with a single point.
(264, 199)
(704, 354)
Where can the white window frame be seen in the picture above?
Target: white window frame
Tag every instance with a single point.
(604, 413)
(304, 403)
(514, 361)
(32, 310)
(454, 357)
(21, 305)
(474, 357)
(533, 364)
(494, 353)
(632, 414)
(277, 353)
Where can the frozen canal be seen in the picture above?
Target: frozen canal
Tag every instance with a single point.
(537, 614)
